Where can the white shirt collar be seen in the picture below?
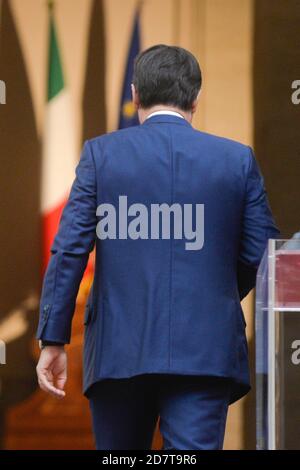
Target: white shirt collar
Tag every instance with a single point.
(171, 113)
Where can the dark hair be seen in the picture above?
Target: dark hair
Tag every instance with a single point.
(167, 75)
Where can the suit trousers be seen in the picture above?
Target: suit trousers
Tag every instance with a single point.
(192, 411)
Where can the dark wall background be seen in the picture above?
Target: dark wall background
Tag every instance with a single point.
(93, 104)
(20, 216)
(276, 64)
(277, 119)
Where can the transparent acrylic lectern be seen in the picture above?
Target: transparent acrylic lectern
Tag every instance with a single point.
(278, 346)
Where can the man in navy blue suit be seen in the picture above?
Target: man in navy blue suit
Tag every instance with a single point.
(180, 220)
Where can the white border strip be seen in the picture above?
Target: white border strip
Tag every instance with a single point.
(271, 347)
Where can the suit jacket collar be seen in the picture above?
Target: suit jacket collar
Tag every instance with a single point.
(166, 118)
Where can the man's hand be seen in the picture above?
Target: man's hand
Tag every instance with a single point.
(52, 370)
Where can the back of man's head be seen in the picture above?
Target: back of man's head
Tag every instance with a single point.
(167, 75)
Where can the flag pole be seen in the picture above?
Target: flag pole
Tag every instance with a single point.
(50, 5)
(139, 5)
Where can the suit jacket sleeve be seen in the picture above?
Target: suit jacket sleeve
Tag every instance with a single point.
(257, 227)
(70, 250)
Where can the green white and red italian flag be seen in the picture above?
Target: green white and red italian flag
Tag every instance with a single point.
(59, 149)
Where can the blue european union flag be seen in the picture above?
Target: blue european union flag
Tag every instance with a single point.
(128, 116)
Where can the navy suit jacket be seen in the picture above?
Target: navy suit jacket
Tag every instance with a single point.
(156, 307)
